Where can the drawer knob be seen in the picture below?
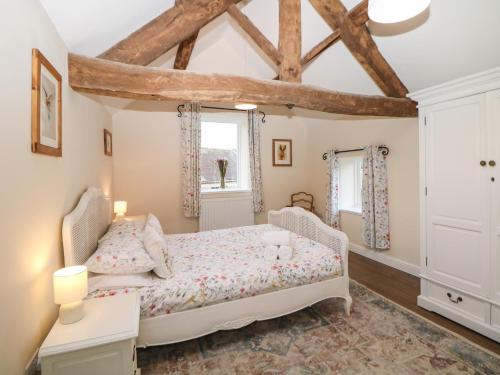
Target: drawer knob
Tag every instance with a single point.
(482, 163)
(492, 163)
(457, 300)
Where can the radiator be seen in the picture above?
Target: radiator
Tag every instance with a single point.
(225, 210)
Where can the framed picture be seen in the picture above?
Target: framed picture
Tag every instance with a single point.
(108, 143)
(46, 107)
(282, 152)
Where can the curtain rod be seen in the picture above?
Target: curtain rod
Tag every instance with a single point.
(223, 109)
(384, 149)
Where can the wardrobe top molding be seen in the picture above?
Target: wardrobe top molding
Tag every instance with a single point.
(487, 80)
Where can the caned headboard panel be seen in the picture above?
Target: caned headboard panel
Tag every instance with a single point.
(83, 226)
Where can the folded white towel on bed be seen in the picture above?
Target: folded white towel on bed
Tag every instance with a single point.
(276, 237)
(271, 253)
(285, 253)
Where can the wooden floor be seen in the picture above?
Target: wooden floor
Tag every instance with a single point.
(403, 289)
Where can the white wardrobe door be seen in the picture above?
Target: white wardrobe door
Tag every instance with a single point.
(457, 198)
(493, 120)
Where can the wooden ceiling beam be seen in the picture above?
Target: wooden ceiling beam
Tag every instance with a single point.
(290, 40)
(166, 31)
(109, 78)
(253, 32)
(359, 41)
(359, 15)
(184, 52)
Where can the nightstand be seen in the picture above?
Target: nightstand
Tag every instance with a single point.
(131, 218)
(103, 342)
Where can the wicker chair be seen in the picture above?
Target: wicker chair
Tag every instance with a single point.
(302, 199)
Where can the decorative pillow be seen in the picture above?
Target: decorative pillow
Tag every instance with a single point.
(153, 221)
(120, 254)
(105, 282)
(133, 228)
(155, 246)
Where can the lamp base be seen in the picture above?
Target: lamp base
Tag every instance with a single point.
(71, 312)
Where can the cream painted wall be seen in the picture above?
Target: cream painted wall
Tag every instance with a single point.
(147, 162)
(37, 191)
(146, 166)
(401, 136)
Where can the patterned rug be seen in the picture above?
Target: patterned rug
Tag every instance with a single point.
(379, 337)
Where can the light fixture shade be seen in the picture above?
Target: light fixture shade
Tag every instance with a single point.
(392, 11)
(120, 207)
(70, 284)
(245, 106)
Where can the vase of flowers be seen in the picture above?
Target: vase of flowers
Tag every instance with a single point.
(222, 164)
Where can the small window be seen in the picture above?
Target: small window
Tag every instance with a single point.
(224, 139)
(351, 177)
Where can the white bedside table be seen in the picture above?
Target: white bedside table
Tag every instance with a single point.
(131, 218)
(103, 342)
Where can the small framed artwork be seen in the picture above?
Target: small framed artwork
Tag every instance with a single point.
(108, 143)
(282, 152)
(46, 107)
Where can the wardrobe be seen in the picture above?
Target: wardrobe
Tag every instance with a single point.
(459, 146)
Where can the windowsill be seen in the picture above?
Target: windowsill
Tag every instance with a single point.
(212, 193)
(353, 211)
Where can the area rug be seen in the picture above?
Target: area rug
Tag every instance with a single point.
(379, 337)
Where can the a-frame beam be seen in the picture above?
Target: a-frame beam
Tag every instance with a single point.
(184, 52)
(359, 41)
(253, 32)
(290, 42)
(166, 31)
(104, 77)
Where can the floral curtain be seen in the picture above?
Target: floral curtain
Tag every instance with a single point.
(332, 216)
(254, 124)
(191, 144)
(375, 205)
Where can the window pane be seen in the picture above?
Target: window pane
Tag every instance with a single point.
(218, 140)
(350, 183)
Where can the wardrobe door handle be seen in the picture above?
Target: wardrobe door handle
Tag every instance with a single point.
(492, 163)
(482, 163)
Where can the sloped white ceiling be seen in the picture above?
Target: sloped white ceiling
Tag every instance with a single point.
(453, 39)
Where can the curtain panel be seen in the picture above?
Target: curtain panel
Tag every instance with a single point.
(332, 216)
(375, 204)
(254, 125)
(191, 144)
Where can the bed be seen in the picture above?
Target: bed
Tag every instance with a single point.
(221, 281)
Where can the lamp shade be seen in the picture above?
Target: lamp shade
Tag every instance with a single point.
(392, 11)
(70, 284)
(120, 207)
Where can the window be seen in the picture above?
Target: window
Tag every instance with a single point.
(351, 177)
(225, 138)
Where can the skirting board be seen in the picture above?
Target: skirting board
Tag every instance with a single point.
(380, 257)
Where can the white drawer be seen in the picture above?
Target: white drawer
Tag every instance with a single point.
(461, 302)
(495, 316)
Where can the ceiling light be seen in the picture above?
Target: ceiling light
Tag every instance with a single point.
(245, 106)
(392, 11)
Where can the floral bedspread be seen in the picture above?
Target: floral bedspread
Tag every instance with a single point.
(222, 265)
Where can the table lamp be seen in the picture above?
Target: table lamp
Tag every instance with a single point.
(120, 208)
(70, 287)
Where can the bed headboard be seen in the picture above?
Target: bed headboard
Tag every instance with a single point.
(305, 223)
(83, 226)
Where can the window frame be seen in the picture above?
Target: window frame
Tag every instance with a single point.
(357, 183)
(242, 186)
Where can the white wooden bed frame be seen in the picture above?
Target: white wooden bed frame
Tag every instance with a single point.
(90, 219)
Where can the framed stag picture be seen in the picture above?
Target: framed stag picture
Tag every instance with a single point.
(108, 143)
(282, 152)
(46, 107)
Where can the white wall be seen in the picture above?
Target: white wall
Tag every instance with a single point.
(401, 136)
(147, 163)
(36, 191)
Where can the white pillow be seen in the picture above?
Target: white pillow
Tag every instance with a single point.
(153, 221)
(104, 282)
(157, 249)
